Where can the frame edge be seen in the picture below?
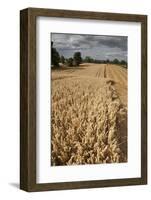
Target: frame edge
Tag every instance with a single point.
(27, 59)
(24, 99)
(27, 100)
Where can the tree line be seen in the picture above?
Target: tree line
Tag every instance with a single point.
(76, 60)
(88, 59)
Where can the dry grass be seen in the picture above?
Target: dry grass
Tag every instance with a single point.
(89, 121)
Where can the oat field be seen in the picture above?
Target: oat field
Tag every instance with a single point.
(89, 114)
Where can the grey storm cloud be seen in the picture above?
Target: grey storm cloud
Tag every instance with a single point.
(89, 45)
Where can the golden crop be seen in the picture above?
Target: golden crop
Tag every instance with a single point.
(89, 121)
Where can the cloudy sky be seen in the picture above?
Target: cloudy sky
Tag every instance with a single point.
(97, 47)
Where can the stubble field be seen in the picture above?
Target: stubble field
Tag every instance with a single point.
(89, 115)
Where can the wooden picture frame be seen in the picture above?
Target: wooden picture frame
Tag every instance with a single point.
(28, 98)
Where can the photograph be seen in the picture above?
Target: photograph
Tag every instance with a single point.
(83, 99)
(88, 99)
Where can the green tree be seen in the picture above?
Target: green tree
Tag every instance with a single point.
(116, 61)
(62, 59)
(107, 61)
(77, 58)
(88, 59)
(55, 57)
(70, 62)
(123, 62)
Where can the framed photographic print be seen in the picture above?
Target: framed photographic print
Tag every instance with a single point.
(83, 99)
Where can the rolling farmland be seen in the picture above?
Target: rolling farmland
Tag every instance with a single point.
(89, 114)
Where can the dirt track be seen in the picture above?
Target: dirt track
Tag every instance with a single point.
(115, 73)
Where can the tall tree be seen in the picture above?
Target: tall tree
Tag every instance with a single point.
(107, 61)
(115, 61)
(123, 62)
(55, 57)
(77, 58)
(88, 59)
(62, 59)
(70, 62)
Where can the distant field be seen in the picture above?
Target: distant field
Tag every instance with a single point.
(89, 114)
